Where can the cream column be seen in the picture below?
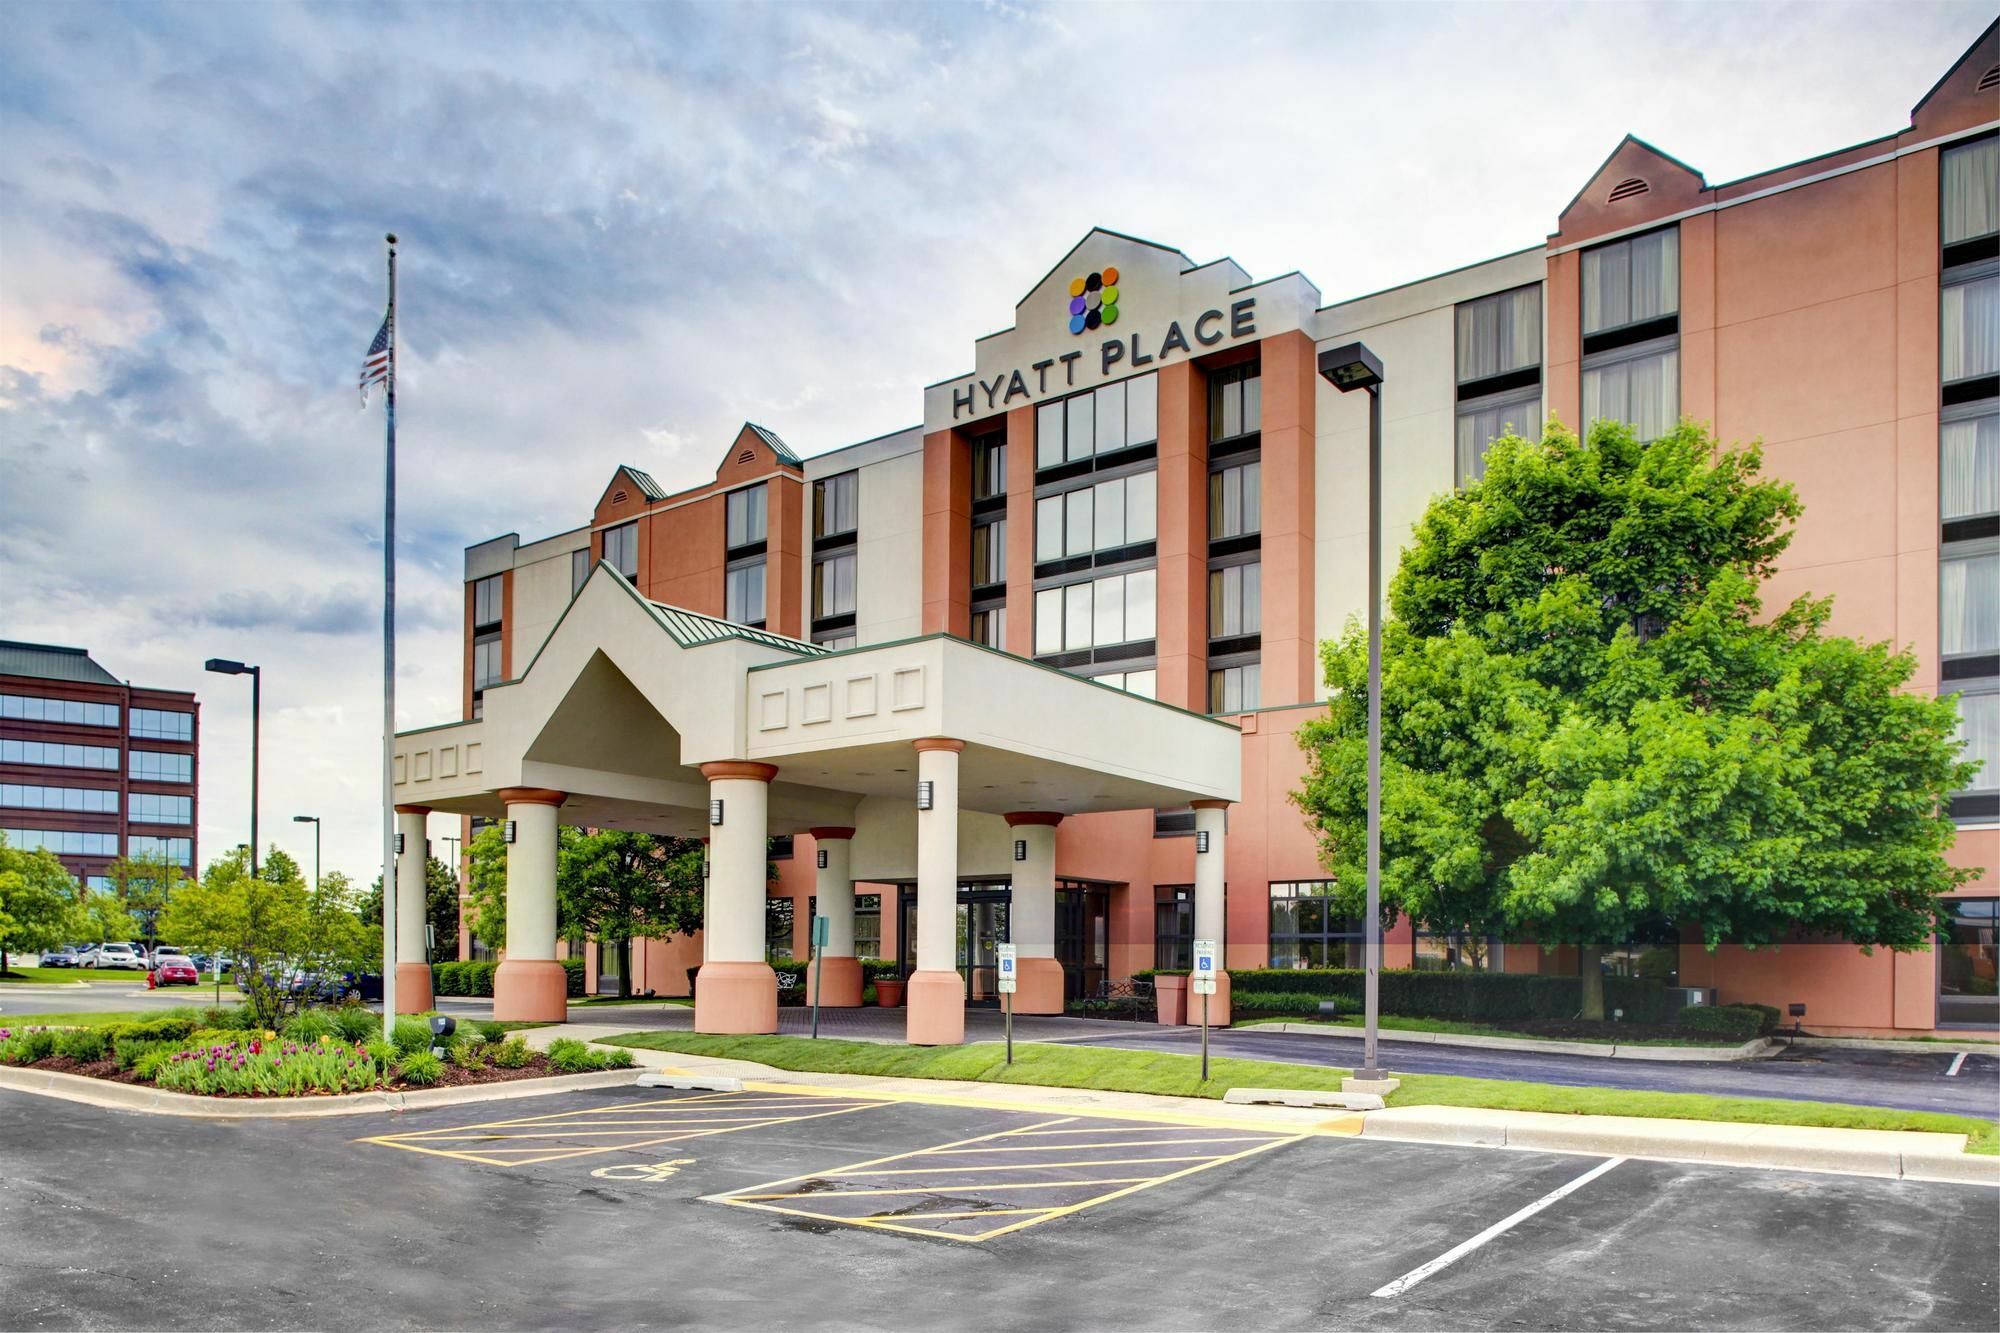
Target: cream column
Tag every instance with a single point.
(736, 991)
(530, 985)
(413, 969)
(936, 994)
(1031, 919)
(1210, 907)
(834, 975)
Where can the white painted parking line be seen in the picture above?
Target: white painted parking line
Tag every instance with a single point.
(1957, 1062)
(1457, 1252)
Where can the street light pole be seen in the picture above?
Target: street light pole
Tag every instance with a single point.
(314, 821)
(1349, 368)
(222, 666)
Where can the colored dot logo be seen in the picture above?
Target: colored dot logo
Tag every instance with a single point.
(1093, 301)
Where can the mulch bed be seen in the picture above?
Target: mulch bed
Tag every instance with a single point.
(454, 1077)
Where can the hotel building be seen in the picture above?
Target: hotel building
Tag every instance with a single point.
(879, 654)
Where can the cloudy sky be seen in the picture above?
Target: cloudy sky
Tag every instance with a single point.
(629, 227)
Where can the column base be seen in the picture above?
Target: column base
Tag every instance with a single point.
(530, 990)
(936, 1009)
(841, 986)
(1218, 1003)
(1038, 987)
(413, 988)
(733, 998)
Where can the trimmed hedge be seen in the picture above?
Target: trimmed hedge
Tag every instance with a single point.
(1735, 1022)
(1466, 996)
(1302, 1003)
(468, 978)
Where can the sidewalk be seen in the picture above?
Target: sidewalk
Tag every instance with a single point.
(1892, 1154)
(1749, 1050)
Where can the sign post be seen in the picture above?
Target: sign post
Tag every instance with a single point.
(1202, 979)
(1008, 977)
(821, 927)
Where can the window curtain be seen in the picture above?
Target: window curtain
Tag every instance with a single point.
(1979, 727)
(1969, 467)
(1969, 604)
(1500, 333)
(1969, 343)
(1971, 204)
(1630, 281)
(1643, 392)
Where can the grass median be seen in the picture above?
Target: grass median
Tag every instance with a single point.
(1112, 1070)
(1452, 1027)
(44, 975)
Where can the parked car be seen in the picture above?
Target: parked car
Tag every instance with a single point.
(207, 961)
(117, 955)
(171, 969)
(63, 957)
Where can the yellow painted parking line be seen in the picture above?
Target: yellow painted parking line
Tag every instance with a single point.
(638, 1125)
(955, 1184)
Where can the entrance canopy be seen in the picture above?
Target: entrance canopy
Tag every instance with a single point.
(627, 698)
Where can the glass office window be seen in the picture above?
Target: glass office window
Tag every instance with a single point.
(778, 927)
(486, 655)
(1145, 684)
(71, 800)
(1969, 181)
(989, 626)
(747, 516)
(155, 724)
(62, 842)
(621, 549)
(1454, 951)
(1969, 337)
(1631, 281)
(1969, 603)
(743, 593)
(833, 586)
(1106, 516)
(1500, 334)
(1099, 421)
(1173, 926)
(989, 553)
(836, 502)
(1306, 931)
(867, 925)
(1234, 689)
(488, 595)
(180, 851)
(1969, 467)
(579, 570)
(56, 755)
(1235, 501)
(152, 766)
(1235, 403)
(1097, 612)
(69, 712)
(1639, 386)
(1969, 965)
(1979, 728)
(150, 808)
(1482, 421)
(989, 468)
(1235, 597)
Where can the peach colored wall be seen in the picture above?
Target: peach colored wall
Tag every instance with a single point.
(1290, 672)
(948, 534)
(1020, 532)
(1840, 986)
(1183, 537)
(680, 555)
(1563, 331)
(785, 570)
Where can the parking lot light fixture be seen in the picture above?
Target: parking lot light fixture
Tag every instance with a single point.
(314, 821)
(223, 666)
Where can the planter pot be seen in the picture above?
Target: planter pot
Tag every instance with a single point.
(888, 994)
(1170, 995)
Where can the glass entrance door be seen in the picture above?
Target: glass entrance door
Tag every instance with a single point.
(983, 924)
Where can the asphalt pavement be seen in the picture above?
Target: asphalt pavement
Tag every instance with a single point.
(627, 1209)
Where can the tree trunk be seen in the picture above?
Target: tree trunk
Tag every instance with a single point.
(625, 968)
(1590, 970)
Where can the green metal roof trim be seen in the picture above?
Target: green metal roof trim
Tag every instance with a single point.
(48, 661)
(644, 480)
(691, 628)
(778, 446)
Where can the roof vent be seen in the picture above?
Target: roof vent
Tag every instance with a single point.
(1625, 189)
(1990, 79)
(747, 456)
(618, 497)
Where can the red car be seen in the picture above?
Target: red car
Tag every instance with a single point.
(172, 970)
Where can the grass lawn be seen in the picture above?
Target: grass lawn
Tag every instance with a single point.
(82, 1020)
(47, 974)
(1393, 1022)
(1180, 1076)
(599, 1001)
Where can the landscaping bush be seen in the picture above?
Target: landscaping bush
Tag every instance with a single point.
(147, 1065)
(381, 1052)
(871, 968)
(512, 1053)
(268, 1068)
(355, 1023)
(493, 1033)
(230, 1018)
(421, 1068)
(573, 1057)
(310, 1025)
(1773, 1020)
(572, 970)
(168, 1027)
(84, 1045)
(1467, 996)
(1301, 1003)
(131, 1050)
(411, 1034)
(475, 978)
(1733, 1022)
(24, 1046)
(468, 1055)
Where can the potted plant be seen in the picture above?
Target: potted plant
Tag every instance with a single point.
(889, 992)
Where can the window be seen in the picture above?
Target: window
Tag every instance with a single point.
(1500, 335)
(747, 516)
(1235, 501)
(780, 846)
(1969, 339)
(1104, 420)
(487, 597)
(743, 592)
(486, 653)
(1114, 610)
(1967, 961)
(579, 570)
(1235, 403)
(156, 725)
(1969, 182)
(989, 467)
(989, 553)
(1969, 602)
(1455, 951)
(833, 587)
(1145, 683)
(1105, 517)
(867, 925)
(64, 842)
(1482, 422)
(148, 808)
(778, 928)
(152, 766)
(835, 501)
(1234, 600)
(835, 643)
(69, 712)
(56, 755)
(72, 800)
(621, 549)
(180, 851)
(989, 626)
(1969, 464)
(1631, 333)
(1979, 728)
(1234, 689)
(1173, 926)
(1305, 932)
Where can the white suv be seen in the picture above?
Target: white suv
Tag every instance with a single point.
(118, 955)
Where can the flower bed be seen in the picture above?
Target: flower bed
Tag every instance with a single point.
(316, 1055)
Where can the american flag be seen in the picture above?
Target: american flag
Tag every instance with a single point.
(375, 366)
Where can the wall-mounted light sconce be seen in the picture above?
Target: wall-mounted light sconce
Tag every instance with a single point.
(1020, 849)
(822, 858)
(715, 812)
(926, 794)
(399, 844)
(1201, 840)
(508, 830)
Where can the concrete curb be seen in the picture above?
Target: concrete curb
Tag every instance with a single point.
(1891, 1044)
(42, 987)
(1750, 1050)
(140, 1097)
(1890, 1154)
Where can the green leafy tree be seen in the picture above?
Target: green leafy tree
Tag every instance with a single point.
(486, 885)
(440, 905)
(104, 917)
(145, 884)
(1590, 728)
(279, 867)
(38, 902)
(275, 932)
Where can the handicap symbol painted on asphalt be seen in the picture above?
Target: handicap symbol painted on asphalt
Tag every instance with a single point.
(639, 1171)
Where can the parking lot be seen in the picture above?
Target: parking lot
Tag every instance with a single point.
(626, 1207)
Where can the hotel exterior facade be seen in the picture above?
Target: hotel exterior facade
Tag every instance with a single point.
(1143, 481)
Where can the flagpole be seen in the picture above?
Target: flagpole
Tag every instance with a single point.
(389, 678)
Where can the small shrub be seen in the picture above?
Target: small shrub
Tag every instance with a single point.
(512, 1053)
(493, 1033)
(257, 1067)
(356, 1024)
(411, 1034)
(168, 1027)
(310, 1025)
(380, 1051)
(147, 1066)
(1773, 1020)
(421, 1068)
(84, 1045)
(24, 1046)
(572, 972)
(229, 1018)
(1731, 1022)
(467, 1055)
(573, 1057)
(130, 1052)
